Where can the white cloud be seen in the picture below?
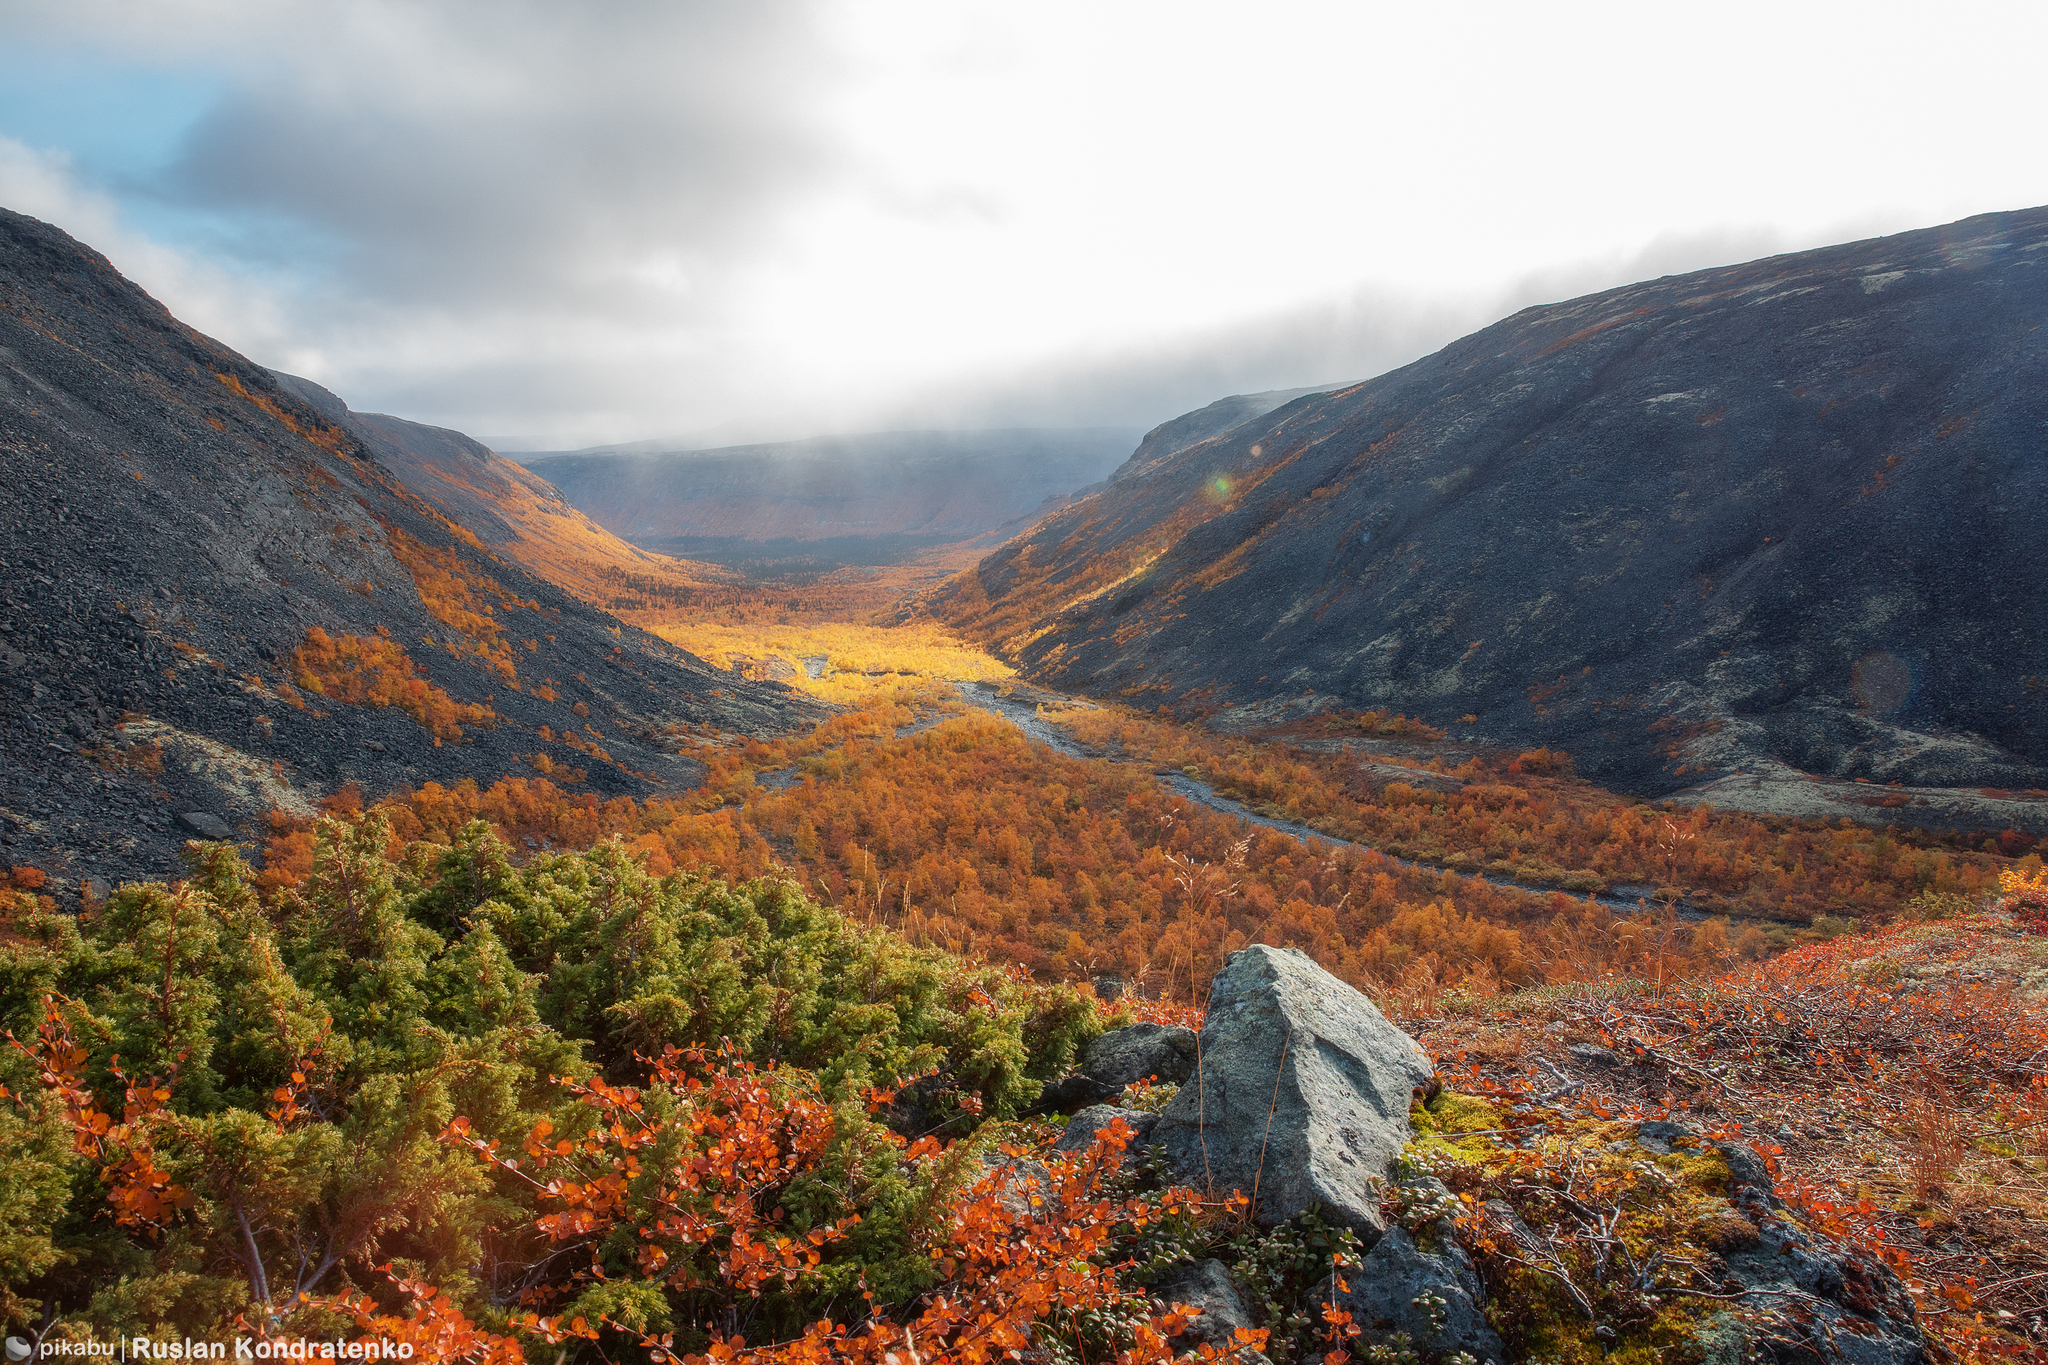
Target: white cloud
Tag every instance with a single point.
(552, 224)
(217, 301)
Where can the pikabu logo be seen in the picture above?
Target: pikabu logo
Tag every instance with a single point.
(273, 1348)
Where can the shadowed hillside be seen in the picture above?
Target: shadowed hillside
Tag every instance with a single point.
(219, 604)
(1717, 528)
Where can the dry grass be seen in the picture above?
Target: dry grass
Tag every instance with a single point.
(1901, 1078)
(861, 661)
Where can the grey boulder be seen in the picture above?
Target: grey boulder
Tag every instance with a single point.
(1302, 1096)
(1072, 1094)
(1125, 1056)
(1814, 1300)
(206, 824)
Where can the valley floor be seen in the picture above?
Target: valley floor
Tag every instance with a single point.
(1836, 991)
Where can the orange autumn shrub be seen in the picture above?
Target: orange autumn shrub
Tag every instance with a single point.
(460, 596)
(1526, 817)
(369, 671)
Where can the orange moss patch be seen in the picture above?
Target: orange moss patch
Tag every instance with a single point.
(365, 671)
(460, 596)
(329, 438)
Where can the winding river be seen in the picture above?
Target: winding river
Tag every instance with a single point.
(1632, 900)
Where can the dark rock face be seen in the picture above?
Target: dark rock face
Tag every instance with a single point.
(1071, 1094)
(1774, 513)
(174, 523)
(206, 825)
(456, 473)
(1124, 1056)
(1813, 1300)
(1302, 1097)
(1433, 1298)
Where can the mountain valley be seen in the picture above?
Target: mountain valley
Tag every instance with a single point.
(872, 499)
(450, 880)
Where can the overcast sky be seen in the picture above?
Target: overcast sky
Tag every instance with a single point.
(553, 225)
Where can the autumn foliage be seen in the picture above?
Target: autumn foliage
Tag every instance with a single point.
(461, 597)
(596, 1105)
(1004, 1250)
(140, 1196)
(857, 661)
(965, 836)
(1893, 1081)
(309, 1046)
(323, 434)
(371, 671)
(1526, 818)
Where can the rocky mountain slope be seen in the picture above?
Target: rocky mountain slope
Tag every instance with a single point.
(1725, 527)
(875, 498)
(219, 602)
(514, 512)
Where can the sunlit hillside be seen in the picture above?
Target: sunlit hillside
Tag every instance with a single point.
(515, 513)
(839, 662)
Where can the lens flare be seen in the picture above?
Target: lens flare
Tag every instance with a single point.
(1974, 250)
(1882, 682)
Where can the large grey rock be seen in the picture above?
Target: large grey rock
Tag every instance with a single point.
(1210, 1287)
(1082, 1128)
(1125, 1056)
(1072, 1094)
(1302, 1096)
(206, 824)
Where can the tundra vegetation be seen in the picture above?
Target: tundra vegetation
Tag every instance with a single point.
(512, 1069)
(491, 1108)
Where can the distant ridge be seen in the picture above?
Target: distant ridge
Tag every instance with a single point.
(897, 491)
(514, 511)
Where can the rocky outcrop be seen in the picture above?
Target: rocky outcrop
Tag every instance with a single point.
(1121, 1057)
(1210, 1289)
(1071, 1094)
(1807, 1298)
(1302, 1096)
(1433, 1297)
(1302, 1099)
(1116, 1060)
